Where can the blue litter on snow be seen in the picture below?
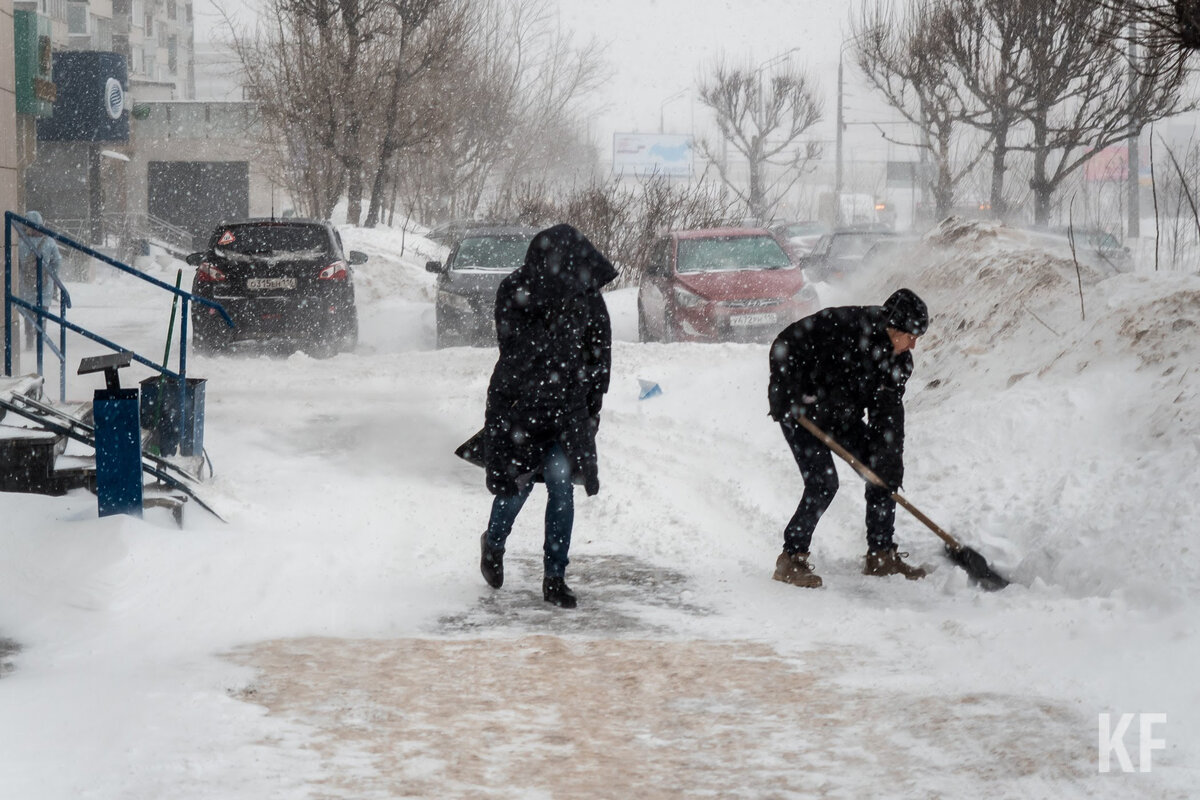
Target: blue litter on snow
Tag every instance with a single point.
(648, 389)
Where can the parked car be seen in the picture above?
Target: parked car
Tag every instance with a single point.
(1098, 247)
(720, 284)
(797, 238)
(887, 250)
(479, 260)
(447, 233)
(282, 281)
(839, 253)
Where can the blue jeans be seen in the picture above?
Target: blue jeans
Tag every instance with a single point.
(560, 513)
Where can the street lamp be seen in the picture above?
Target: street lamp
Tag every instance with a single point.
(841, 123)
(662, 106)
(772, 60)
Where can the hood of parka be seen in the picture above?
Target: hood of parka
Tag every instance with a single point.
(560, 263)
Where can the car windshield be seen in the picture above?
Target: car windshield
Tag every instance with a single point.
(720, 253)
(492, 252)
(243, 242)
(852, 245)
(804, 229)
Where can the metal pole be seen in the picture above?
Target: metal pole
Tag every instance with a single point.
(1133, 158)
(837, 175)
(8, 350)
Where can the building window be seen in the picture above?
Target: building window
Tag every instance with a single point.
(104, 38)
(171, 9)
(77, 19)
(172, 54)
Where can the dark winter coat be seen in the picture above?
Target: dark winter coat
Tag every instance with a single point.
(555, 341)
(837, 365)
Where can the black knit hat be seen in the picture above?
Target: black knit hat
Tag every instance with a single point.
(907, 312)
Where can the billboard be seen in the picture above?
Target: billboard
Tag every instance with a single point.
(90, 104)
(646, 154)
(1109, 164)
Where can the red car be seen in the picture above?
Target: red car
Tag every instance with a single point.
(720, 285)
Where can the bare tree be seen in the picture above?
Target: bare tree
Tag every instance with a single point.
(905, 56)
(982, 43)
(765, 124)
(1083, 95)
(331, 78)
(1170, 26)
(510, 111)
(292, 90)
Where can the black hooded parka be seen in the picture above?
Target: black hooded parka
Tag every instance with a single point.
(555, 340)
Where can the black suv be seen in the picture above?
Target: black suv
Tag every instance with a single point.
(282, 281)
(479, 260)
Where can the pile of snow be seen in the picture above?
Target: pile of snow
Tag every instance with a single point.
(396, 264)
(1074, 393)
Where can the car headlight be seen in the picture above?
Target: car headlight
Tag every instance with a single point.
(688, 299)
(457, 302)
(806, 295)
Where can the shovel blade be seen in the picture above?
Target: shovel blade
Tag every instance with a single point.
(977, 567)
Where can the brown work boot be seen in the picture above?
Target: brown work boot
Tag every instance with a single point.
(882, 563)
(794, 568)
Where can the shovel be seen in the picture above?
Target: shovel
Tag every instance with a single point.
(970, 560)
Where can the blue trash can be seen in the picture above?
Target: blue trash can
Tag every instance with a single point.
(160, 414)
(118, 452)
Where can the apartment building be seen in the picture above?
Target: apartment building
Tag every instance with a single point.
(126, 144)
(156, 37)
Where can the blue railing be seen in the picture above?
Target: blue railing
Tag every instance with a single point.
(38, 313)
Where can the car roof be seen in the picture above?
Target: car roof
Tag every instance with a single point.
(495, 230)
(276, 221)
(713, 233)
(866, 227)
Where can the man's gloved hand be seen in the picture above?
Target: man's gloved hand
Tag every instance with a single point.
(806, 407)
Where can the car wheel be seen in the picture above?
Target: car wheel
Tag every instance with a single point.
(322, 350)
(451, 338)
(205, 345)
(668, 332)
(349, 341)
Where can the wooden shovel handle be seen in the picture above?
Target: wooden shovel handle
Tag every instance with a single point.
(869, 475)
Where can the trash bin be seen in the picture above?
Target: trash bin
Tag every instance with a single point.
(160, 413)
(118, 452)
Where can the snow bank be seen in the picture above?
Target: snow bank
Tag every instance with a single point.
(1075, 392)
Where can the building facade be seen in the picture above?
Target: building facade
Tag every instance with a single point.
(124, 145)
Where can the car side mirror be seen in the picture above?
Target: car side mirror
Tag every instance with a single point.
(434, 266)
(194, 259)
(357, 257)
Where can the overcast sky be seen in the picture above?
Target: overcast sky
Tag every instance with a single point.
(655, 48)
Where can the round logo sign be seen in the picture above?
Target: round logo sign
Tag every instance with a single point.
(114, 98)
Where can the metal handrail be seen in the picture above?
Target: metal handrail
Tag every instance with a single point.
(42, 314)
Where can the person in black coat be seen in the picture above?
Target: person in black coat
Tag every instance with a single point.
(833, 367)
(545, 395)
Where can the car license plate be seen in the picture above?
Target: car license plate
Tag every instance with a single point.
(745, 320)
(270, 283)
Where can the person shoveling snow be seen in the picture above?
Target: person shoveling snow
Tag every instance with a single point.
(832, 367)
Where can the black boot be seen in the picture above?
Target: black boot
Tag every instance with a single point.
(556, 592)
(491, 563)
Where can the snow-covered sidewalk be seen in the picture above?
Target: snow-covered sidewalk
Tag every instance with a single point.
(335, 639)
